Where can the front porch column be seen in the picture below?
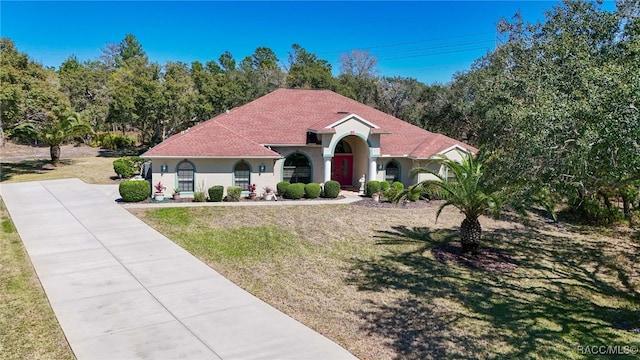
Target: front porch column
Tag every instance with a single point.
(327, 168)
(373, 169)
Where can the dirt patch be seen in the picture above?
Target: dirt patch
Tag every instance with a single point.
(15, 152)
(487, 258)
(368, 202)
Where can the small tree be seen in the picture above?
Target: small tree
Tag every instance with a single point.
(55, 133)
(467, 193)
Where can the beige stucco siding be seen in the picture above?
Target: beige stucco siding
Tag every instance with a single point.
(210, 172)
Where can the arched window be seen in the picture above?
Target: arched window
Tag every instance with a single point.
(343, 147)
(393, 171)
(242, 175)
(186, 176)
(297, 168)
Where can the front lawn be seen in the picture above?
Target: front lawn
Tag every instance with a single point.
(375, 280)
(28, 327)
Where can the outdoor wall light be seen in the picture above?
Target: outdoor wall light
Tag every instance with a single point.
(164, 168)
(380, 167)
(262, 168)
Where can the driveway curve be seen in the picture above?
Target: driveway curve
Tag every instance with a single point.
(121, 290)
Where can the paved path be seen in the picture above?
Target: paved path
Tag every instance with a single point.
(121, 290)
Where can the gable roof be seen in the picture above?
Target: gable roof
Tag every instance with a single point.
(284, 116)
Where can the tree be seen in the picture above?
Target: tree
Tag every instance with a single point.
(553, 107)
(55, 133)
(358, 71)
(467, 193)
(85, 83)
(307, 71)
(28, 92)
(180, 98)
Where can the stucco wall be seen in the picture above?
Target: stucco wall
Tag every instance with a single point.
(210, 172)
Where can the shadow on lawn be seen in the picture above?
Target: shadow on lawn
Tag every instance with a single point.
(10, 170)
(562, 296)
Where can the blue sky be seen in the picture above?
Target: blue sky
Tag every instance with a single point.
(426, 40)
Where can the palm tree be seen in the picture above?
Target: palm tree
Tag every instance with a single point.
(466, 193)
(54, 133)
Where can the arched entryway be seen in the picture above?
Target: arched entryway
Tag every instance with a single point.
(350, 160)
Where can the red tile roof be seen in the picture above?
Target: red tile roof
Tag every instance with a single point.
(284, 117)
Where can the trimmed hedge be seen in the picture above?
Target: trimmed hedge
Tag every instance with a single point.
(397, 185)
(216, 193)
(281, 187)
(294, 191)
(128, 166)
(234, 193)
(384, 186)
(331, 189)
(312, 190)
(373, 186)
(134, 190)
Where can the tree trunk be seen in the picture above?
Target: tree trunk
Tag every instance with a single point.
(470, 233)
(55, 154)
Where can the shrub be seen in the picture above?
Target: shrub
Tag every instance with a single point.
(199, 196)
(415, 192)
(282, 187)
(384, 186)
(294, 191)
(391, 193)
(397, 185)
(216, 193)
(113, 141)
(234, 193)
(331, 189)
(134, 190)
(373, 186)
(128, 166)
(312, 190)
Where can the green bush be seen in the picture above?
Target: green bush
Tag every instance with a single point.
(415, 192)
(216, 193)
(199, 196)
(281, 187)
(128, 166)
(373, 186)
(391, 193)
(312, 190)
(384, 186)
(113, 141)
(331, 189)
(397, 185)
(134, 190)
(294, 191)
(234, 193)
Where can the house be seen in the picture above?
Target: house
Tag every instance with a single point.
(297, 136)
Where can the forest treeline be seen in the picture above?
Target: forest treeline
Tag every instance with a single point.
(554, 108)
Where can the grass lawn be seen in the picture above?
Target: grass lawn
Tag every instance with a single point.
(368, 279)
(92, 170)
(28, 327)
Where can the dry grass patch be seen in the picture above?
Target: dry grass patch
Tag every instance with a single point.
(93, 170)
(28, 327)
(368, 279)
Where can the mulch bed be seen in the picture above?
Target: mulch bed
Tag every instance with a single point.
(487, 258)
(169, 200)
(368, 202)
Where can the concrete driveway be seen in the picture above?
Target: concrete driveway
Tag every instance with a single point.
(121, 290)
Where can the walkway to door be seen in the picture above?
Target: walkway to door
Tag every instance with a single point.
(121, 290)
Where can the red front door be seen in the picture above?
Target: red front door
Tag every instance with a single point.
(343, 169)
